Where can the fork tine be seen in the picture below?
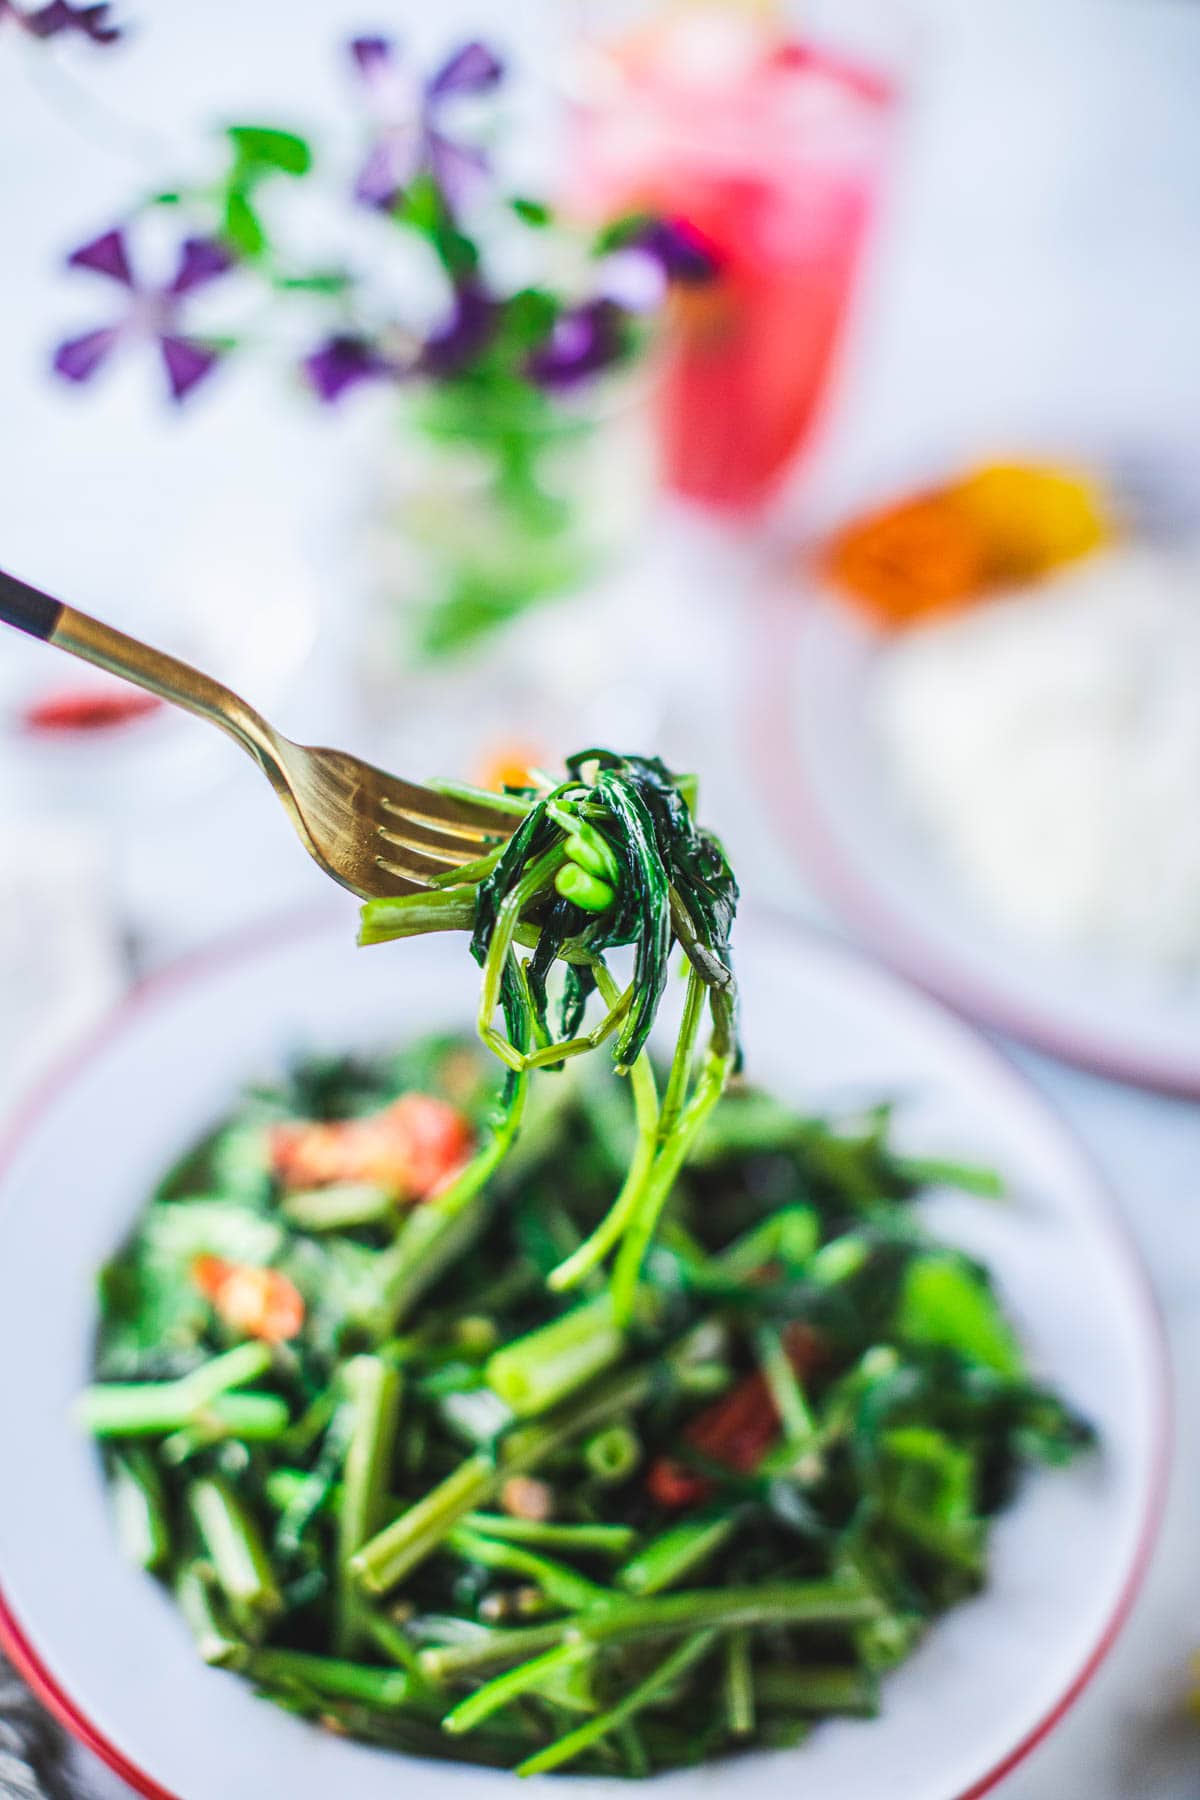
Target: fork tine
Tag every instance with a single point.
(447, 811)
(409, 865)
(398, 882)
(412, 834)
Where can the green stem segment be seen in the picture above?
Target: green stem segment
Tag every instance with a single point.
(537, 1371)
(385, 1689)
(510, 1686)
(668, 1672)
(560, 1584)
(238, 1556)
(140, 1509)
(373, 1393)
(675, 1554)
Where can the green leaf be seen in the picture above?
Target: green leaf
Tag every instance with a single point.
(944, 1302)
(242, 225)
(970, 1178)
(265, 147)
(532, 212)
(527, 320)
(619, 232)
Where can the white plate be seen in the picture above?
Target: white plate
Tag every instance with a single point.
(105, 1645)
(816, 758)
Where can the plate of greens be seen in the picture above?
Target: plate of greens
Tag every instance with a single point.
(693, 1371)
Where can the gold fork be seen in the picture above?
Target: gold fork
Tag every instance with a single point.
(375, 833)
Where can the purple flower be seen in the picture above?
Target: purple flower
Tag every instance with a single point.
(463, 334)
(681, 251)
(152, 314)
(409, 133)
(59, 17)
(348, 359)
(343, 362)
(583, 342)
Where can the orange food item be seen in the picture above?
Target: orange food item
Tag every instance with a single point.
(909, 561)
(410, 1149)
(1003, 523)
(257, 1303)
(508, 765)
(1034, 517)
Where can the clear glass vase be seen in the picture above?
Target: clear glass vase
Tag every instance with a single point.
(490, 503)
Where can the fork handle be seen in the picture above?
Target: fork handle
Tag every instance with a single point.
(28, 608)
(90, 639)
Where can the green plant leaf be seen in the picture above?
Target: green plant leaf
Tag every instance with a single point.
(531, 212)
(264, 147)
(945, 1302)
(242, 225)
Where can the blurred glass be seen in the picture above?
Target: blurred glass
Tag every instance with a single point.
(772, 142)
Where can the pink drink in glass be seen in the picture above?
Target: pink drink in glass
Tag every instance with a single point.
(773, 151)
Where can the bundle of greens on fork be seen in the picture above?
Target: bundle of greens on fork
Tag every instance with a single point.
(608, 858)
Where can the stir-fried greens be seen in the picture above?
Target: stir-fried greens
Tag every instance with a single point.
(443, 1505)
(608, 858)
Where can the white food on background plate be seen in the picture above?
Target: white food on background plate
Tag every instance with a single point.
(1049, 742)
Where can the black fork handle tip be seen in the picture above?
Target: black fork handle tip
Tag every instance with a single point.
(28, 608)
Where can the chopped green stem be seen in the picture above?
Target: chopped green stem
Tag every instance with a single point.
(798, 1424)
(140, 1509)
(237, 1553)
(778, 1603)
(488, 1650)
(394, 1644)
(563, 1585)
(440, 910)
(791, 1687)
(601, 1540)
(155, 1408)
(340, 1207)
(537, 1371)
(194, 1591)
(373, 1392)
(739, 1685)
(674, 1554)
(681, 1659)
(613, 1454)
(284, 1487)
(506, 1688)
(232, 1370)
(341, 1680)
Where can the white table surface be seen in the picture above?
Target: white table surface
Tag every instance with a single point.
(1038, 279)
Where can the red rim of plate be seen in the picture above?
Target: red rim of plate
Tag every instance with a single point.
(807, 827)
(247, 944)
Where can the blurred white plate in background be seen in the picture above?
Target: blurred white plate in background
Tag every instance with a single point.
(816, 757)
